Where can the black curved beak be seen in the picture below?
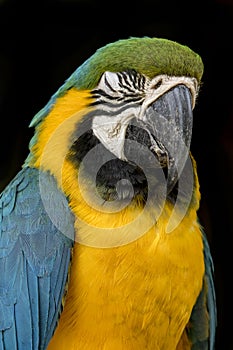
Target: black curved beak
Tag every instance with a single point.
(169, 122)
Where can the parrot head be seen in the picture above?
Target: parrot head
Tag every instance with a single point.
(136, 131)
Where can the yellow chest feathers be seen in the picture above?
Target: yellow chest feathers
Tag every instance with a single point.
(132, 285)
(136, 296)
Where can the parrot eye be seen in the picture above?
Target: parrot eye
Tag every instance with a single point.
(157, 85)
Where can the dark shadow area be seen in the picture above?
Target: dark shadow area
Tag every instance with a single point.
(43, 42)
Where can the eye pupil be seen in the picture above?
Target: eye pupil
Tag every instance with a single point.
(158, 84)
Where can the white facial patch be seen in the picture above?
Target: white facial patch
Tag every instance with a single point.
(110, 125)
(111, 131)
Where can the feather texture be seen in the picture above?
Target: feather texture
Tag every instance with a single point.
(34, 260)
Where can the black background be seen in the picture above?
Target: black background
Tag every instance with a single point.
(43, 42)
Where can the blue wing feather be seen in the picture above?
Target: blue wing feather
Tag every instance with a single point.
(211, 297)
(36, 238)
(204, 315)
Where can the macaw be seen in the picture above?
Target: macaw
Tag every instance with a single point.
(100, 242)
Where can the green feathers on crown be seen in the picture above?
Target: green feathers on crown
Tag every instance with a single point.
(149, 56)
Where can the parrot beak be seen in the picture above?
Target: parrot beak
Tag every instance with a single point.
(168, 122)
